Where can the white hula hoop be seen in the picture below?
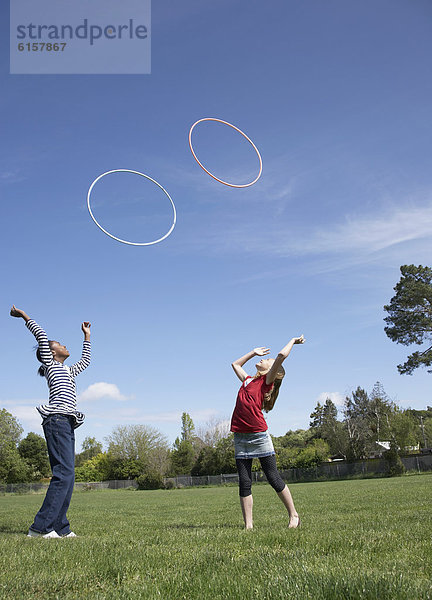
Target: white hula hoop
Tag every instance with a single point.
(211, 174)
(113, 236)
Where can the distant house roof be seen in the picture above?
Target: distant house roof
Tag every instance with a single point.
(385, 445)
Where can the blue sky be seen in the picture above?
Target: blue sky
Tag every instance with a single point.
(337, 97)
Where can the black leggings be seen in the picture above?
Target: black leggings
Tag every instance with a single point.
(268, 464)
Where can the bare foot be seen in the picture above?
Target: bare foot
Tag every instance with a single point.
(294, 522)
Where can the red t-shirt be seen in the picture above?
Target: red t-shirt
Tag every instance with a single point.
(247, 416)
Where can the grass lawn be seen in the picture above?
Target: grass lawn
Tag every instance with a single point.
(363, 539)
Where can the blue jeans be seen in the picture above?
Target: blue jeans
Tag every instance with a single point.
(60, 439)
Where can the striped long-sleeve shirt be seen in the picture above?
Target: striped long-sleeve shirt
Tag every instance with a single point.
(60, 377)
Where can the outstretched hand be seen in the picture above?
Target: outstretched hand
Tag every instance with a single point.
(17, 312)
(299, 340)
(86, 328)
(262, 351)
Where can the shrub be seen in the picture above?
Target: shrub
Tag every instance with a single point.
(396, 466)
(150, 481)
(314, 454)
(13, 468)
(93, 469)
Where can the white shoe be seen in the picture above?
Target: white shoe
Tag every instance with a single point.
(51, 534)
(70, 534)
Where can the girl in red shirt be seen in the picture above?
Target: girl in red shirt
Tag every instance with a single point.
(251, 438)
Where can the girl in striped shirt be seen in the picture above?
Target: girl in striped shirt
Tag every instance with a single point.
(60, 418)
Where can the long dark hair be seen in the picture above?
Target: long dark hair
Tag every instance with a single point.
(41, 370)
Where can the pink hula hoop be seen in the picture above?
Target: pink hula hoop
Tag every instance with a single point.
(243, 185)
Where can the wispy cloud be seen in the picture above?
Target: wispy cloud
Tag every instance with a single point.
(353, 240)
(7, 175)
(12, 176)
(276, 182)
(367, 233)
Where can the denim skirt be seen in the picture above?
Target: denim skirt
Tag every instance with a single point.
(253, 445)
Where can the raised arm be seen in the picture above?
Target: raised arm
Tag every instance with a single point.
(84, 362)
(237, 364)
(40, 335)
(283, 354)
(20, 314)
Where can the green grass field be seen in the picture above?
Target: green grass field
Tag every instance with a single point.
(359, 539)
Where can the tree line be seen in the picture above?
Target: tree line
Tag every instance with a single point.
(367, 425)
